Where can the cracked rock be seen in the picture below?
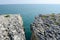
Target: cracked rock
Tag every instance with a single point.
(46, 27)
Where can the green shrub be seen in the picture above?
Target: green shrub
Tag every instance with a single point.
(7, 16)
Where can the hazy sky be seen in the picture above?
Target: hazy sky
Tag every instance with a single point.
(29, 1)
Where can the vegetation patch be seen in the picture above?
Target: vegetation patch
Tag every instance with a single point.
(7, 16)
(56, 23)
(44, 16)
(53, 19)
(52, 15)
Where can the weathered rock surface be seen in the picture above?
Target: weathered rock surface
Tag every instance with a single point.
(11, 27)
(46, 27)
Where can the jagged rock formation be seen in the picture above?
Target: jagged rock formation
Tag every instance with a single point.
(46, 27)
(11, 27)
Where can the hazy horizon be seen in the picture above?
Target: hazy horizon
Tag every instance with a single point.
(29, 1)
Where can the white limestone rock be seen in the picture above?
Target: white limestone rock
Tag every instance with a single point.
(11, 27)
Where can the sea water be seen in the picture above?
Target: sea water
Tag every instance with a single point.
(28, 12)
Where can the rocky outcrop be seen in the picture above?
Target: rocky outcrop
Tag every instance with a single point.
(46, 27)
(11, 27)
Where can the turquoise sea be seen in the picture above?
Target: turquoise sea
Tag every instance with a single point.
(28, 12)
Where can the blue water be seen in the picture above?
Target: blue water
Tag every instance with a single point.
(28, 12)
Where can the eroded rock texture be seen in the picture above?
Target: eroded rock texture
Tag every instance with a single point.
(11, 27)
(46, 27)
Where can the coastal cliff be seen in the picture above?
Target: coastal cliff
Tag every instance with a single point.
(46, 27)
(11, 27)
